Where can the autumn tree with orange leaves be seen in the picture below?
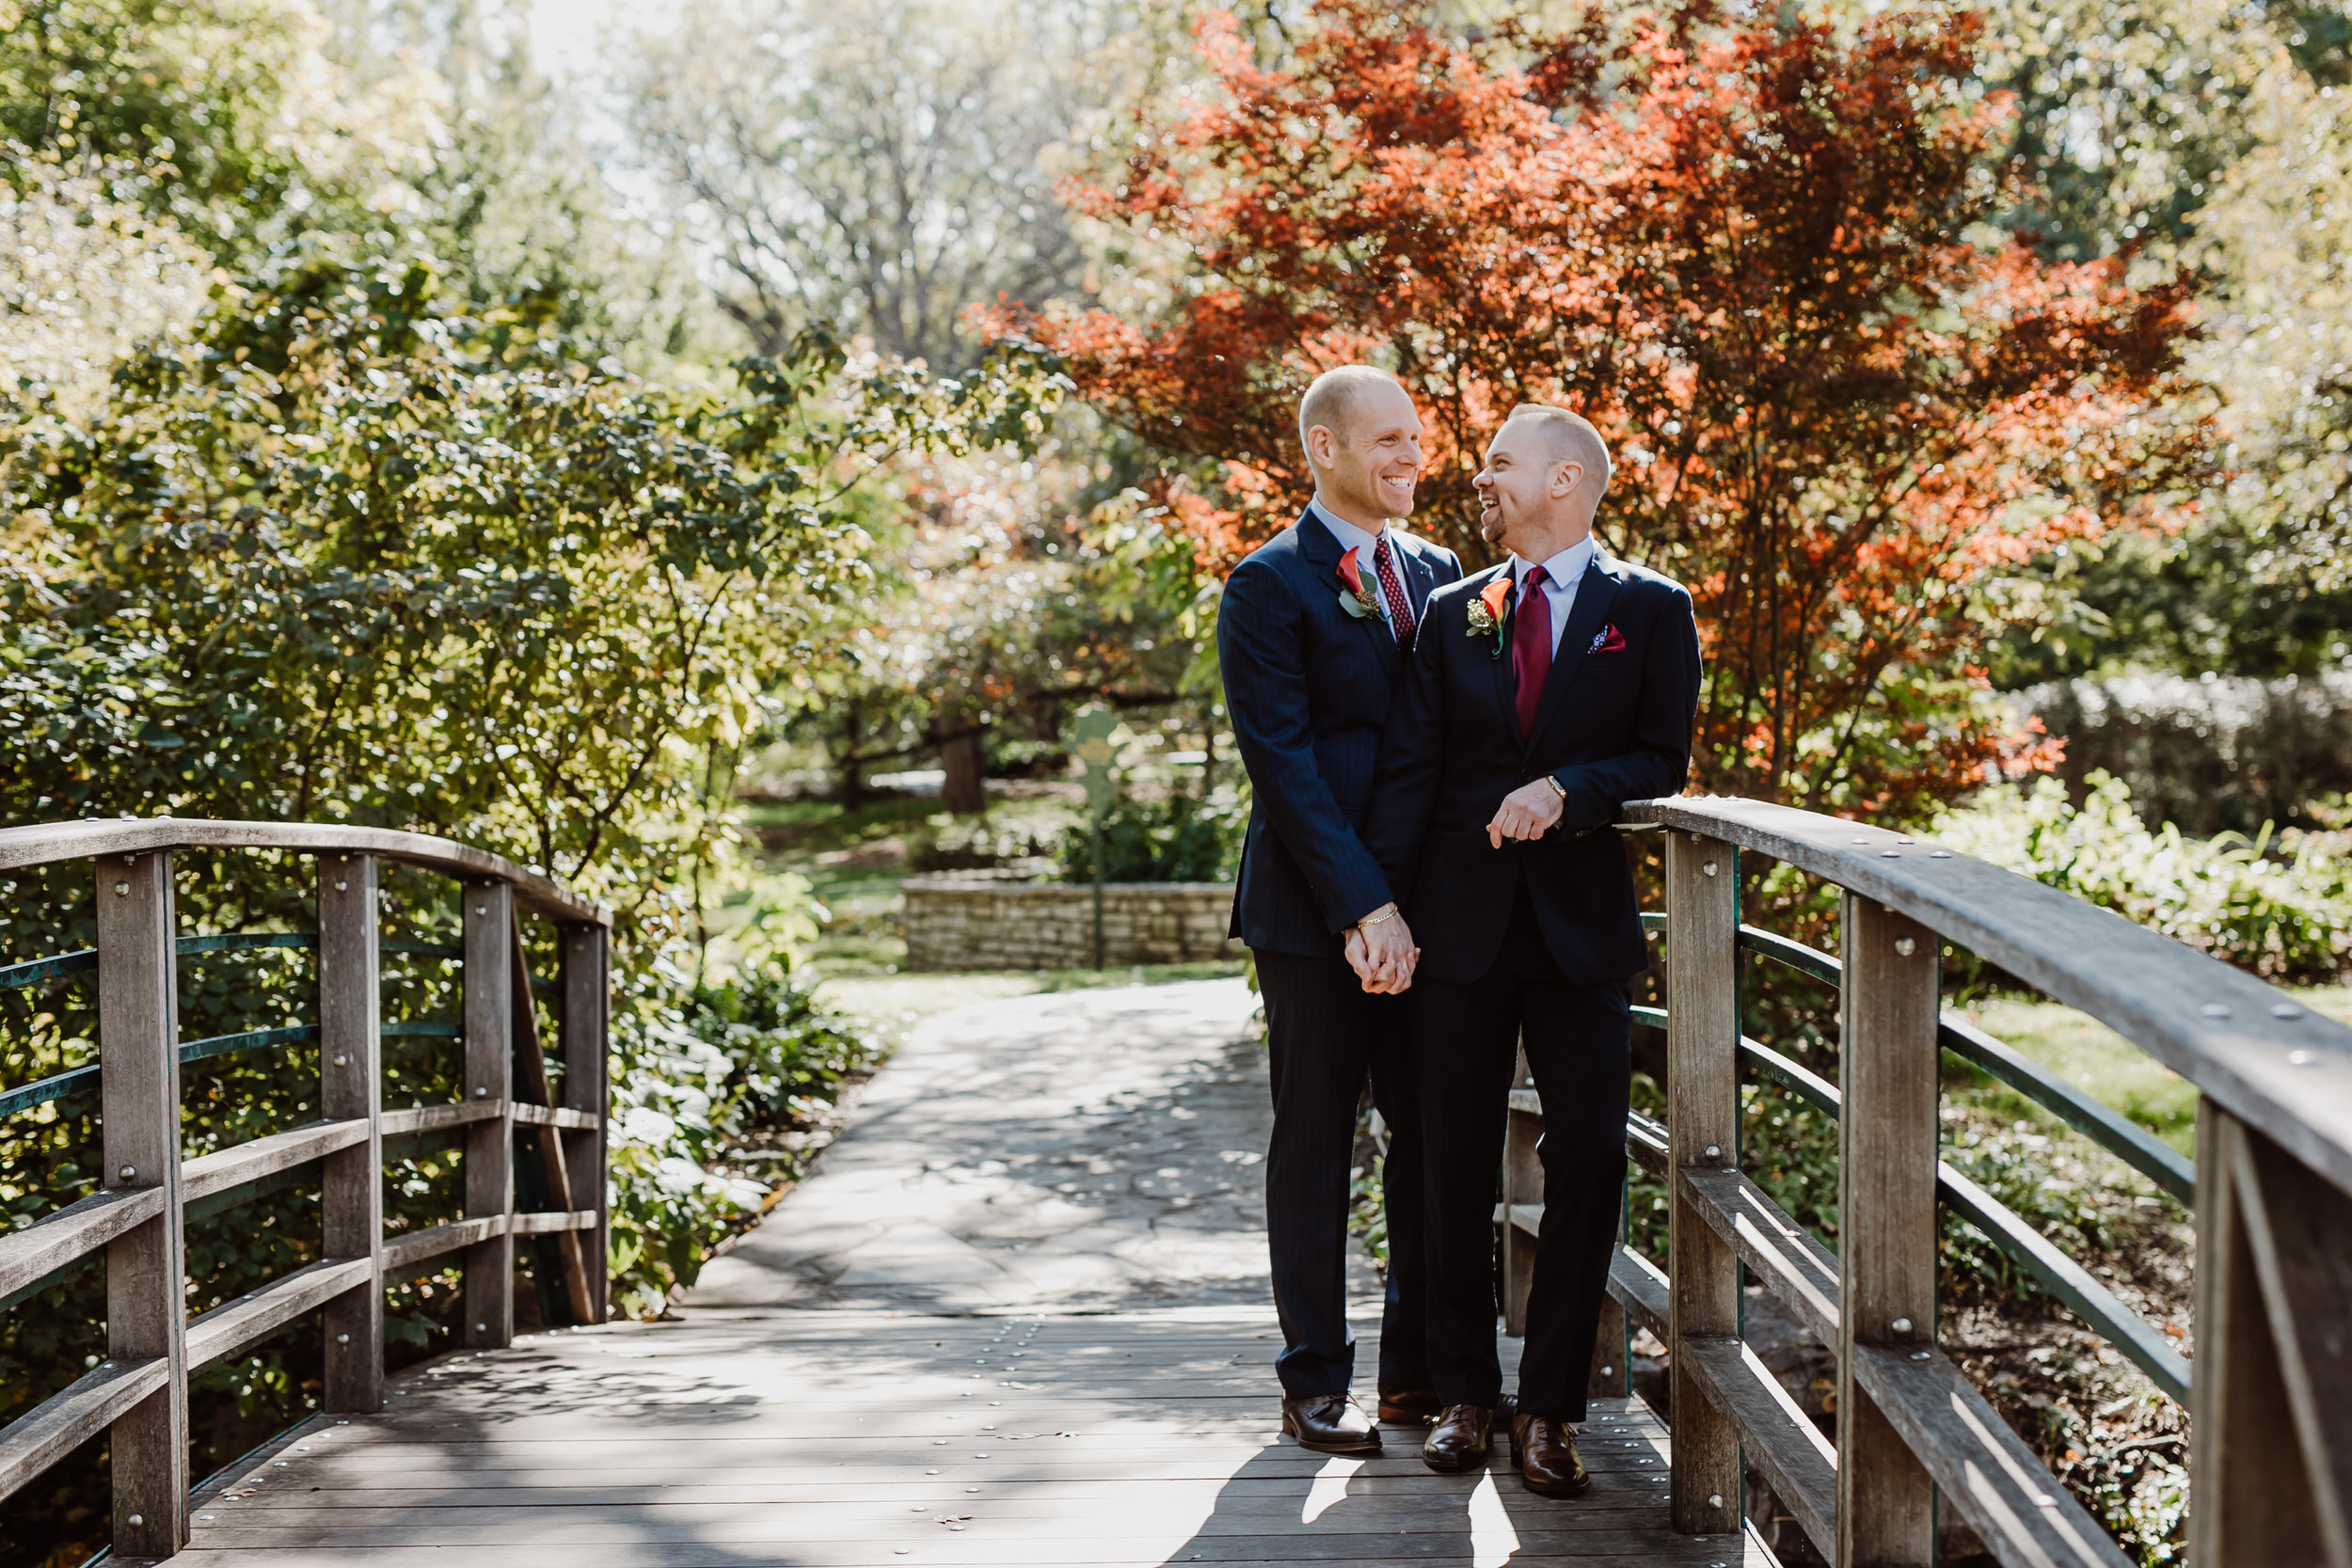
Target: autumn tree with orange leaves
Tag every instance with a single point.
(1756, 254)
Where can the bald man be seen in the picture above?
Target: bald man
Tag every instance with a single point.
(1313, 632)
(1543, 693)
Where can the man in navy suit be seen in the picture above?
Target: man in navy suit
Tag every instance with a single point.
(1312, 634)
(1543, 693)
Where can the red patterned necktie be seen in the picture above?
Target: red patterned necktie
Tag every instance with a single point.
(1531, 648)
(1399, 607)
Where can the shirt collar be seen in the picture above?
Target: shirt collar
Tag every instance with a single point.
(1564, 570)
(1348, 533)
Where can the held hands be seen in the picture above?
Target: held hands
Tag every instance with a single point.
(1380, 950)
(1526, 811)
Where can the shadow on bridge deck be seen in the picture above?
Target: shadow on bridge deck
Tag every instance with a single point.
(1017, 1319)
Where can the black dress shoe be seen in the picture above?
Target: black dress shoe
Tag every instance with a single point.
(1419, 1406)
(1461, 1439)
(1547, 1458)
(1329, 1423)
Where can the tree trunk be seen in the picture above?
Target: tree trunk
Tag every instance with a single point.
(965, 761)
(848, 787)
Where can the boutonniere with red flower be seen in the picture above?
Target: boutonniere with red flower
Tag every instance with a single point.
(1355, 598)
(1609, 640)
(1490, 611)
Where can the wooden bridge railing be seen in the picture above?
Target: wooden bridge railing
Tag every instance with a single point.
(139, 1393)
(2271, 1397)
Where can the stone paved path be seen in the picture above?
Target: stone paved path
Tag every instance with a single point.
(1088, 1150)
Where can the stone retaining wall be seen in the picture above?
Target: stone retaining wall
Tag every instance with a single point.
(978, 922)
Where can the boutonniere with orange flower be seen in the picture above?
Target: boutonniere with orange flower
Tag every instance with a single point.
(1355, 599)
(1490, 611)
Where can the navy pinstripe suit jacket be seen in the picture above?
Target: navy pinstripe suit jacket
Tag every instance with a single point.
(1307, 686)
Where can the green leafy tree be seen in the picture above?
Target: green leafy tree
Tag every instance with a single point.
(869, 166)
(346, 557)
(226, 115)
(1006, 605)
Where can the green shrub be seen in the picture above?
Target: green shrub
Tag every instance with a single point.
(2277, 904)
(758, 1053)
(789, 1052)
(1181, 838)
(2228, 752)
(946, 842)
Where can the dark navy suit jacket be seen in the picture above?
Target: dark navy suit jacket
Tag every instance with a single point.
(1307, 686)
(1614, 725)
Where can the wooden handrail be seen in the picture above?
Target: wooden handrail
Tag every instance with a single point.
(2263, 1057)
(2272, 1185)
(140, 1395)
(2102, 1124)
(48, 842)
(2097, 1306)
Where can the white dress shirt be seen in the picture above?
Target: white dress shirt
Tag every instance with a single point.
(1356, 542)
(1562, 574)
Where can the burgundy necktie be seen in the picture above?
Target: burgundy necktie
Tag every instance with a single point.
(1399, 607)
(1531, 648)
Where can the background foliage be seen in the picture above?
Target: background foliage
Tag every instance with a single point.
(596, 468)
(1751, 253)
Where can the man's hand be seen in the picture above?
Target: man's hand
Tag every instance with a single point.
(1526, 813)
(1380, 949)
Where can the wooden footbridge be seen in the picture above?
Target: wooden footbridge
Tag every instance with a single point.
(1014, 1319)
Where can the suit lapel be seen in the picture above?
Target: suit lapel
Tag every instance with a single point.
(1420, 580)
(1504, 698)
(1319, 545)
(1590, 613)
(1322, 549)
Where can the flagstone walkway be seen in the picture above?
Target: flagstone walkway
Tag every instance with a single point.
(1017, 1318)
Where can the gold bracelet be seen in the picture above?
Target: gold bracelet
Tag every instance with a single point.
(1375, 919)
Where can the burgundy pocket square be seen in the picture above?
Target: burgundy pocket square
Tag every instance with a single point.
(1609, 640)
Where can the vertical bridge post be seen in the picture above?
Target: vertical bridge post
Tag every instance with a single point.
(139, 1047)
(586, 988)
(1887, 1063)
(351, 1180)
(1702, 1128)
(489, 1170)
(2271, 1456)
(1522, 1186)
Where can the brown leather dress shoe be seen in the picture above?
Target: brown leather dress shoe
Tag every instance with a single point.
(1546, 1455)
(1461, 1440)
(1329, 1423)
(1419, 1406)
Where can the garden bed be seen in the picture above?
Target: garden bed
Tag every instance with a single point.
(978, 922)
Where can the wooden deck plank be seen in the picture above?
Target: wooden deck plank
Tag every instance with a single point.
(560, 1451)
(835, 1415)
(1140, 1495)
(952, 1552)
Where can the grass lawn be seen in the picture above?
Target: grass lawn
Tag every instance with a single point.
(2095, 1058)
(2092, 1058)
(853, 860)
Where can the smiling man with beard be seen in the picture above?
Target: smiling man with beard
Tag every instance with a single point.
(1312, 633)
(1543, 695)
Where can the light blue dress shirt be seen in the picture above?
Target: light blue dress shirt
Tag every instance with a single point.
(1562, 574)
(1356, 541)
